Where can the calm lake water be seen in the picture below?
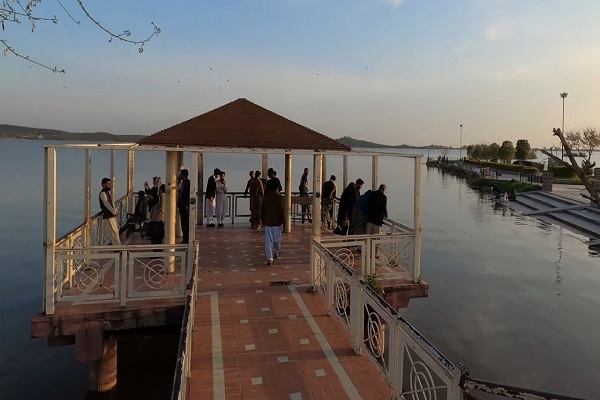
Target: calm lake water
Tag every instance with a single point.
(513, 298)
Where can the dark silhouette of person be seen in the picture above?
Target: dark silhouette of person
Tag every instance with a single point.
(183, 204)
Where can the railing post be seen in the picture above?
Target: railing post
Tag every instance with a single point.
(123, 265)
(356, 315)
(396, 368)
(374, 173)
(170, 209)
(313, 265)
(330, 285)
(87, 200)
(345, 172)
(49, 227)
(130, 169)
(417, 222)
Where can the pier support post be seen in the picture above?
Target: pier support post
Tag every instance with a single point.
(288, 193)
(265, 164)
(324, 169)
(130, 164)
(112, 172)
(417, 222)
(103, 372)
(374, 173)
(316, 203)
(345, 172)
(170, 209)
(193, 200)
(87, 201)
(200, 205)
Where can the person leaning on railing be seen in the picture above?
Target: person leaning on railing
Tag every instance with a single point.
(109, 213)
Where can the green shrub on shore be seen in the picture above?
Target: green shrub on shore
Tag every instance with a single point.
(476, 181)
(504, 167)
(561, 171)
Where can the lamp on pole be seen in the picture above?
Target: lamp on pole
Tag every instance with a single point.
(460, 148)
(564, 96)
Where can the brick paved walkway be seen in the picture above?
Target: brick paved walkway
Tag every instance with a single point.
(257, 339)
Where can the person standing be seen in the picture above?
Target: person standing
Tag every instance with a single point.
(211, 194)
(183, 204)
(328, 192)
(221, 199)
(156, 225)
(272, 216)
(376, 210)
(348, 202)
(257, 193)
(109, 213)
(303, 188)
(251, 173)
(273, 175)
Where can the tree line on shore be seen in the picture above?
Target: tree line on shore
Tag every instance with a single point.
(501, 153)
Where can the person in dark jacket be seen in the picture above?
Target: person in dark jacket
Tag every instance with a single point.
(376, 210)
(348, 202)
(211, 197)
(183, 204)
(272, 216)
(272, 174)
(257, 193)
(328, 192)
(303, 188)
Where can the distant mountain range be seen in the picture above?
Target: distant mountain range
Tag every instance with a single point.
(350, 142)
(23, 132)
(27, 133)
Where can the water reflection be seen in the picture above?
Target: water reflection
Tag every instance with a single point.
(557, 263)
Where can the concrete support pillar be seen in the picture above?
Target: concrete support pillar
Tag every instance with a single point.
(417, 222)
(345, 172)
(49, 228)
(324, 175)
(316, 203)
(288, 193)
(375, 173)
(87, 200)
(130, 169)
(103, 372)
(171, 206)
(200, 205)
(265, 164)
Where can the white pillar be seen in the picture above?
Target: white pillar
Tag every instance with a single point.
(49, 227)
(288, 193)
(170, 209)
(130, 165)
(417, 221)
(316, 203)
(180, 166)
(265, 164)
(345, 172)
(193, 199)
(112, 172)
(324, 169)
(87, 200)
(375, 172)
(200, 179)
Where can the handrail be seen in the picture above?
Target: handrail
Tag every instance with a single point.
(182, 367)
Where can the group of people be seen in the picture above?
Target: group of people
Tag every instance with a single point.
(357, 213)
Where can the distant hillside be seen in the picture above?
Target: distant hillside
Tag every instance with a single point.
(23, 132)
(350, 142)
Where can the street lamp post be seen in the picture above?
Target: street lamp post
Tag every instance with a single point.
(564, 96)
(460, 148)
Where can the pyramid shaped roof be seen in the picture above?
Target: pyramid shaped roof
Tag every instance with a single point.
(243, 124)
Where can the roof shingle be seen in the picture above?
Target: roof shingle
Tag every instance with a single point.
(243, 124)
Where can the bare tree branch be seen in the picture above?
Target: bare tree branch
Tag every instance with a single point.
(123, 36)
(68, 13)
(7, 48)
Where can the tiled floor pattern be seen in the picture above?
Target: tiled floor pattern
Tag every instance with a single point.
(269, 348)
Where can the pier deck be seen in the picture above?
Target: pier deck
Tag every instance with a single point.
(260, 335)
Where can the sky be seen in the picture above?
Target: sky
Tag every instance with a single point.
(388, 71)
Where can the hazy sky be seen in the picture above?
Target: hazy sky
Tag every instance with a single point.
(391, 71)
